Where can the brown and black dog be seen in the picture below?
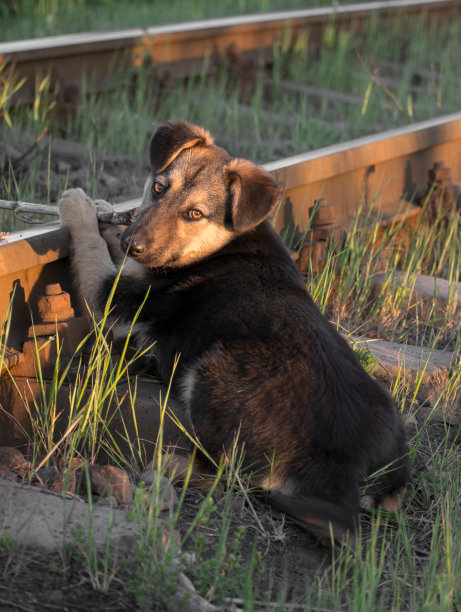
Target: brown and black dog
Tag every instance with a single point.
(257, 358)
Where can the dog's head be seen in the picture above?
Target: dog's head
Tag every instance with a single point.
(196, 199)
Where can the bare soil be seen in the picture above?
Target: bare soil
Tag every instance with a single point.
(290, 559)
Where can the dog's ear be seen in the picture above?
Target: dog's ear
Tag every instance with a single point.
(173, 137)
(253, 194)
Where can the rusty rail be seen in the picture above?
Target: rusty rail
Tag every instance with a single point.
(180, 48)
(386, 169)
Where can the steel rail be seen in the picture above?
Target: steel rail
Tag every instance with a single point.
(383, 170)
(181, 48)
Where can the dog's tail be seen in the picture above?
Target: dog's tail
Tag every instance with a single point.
(323, 518)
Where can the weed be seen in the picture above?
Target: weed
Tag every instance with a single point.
(52, 17)
(406, 563)
(412, 562)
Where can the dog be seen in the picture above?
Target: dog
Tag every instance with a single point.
(258, 361)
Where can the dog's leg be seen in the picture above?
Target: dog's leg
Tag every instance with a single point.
(392, 501)
(389, 489)
(91, 258)
(201, 476)
(111, 233)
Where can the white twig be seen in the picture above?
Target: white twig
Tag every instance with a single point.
(18, 208)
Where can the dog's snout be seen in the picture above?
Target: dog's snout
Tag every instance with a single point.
(131, 244)
(135, 248)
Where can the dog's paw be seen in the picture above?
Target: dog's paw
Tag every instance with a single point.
(78, 212)
(110, 232)
(103, 206)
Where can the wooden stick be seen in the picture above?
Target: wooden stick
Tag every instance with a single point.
(114, 218)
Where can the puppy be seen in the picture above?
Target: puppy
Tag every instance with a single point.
(258, 361)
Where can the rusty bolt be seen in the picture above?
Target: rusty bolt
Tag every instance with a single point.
(440, 175)
(441, 192)
(54, 306)
(310, 257)
(323, 214)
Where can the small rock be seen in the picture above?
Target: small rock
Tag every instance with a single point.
(55, 480)
(6, 474)
(166, 491)
(109, 480)
(12, 458)
(75, 464)
(37, 518)
(367, 502)
(186, 583)
(186, 598)
(410, 420)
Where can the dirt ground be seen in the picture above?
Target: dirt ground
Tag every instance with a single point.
(290, 560)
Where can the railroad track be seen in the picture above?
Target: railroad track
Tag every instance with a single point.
(389, 170)
(385, 171)
(180, 49)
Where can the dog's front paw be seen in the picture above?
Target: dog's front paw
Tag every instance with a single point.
(103, 206)
(78, 212)
(110, 232)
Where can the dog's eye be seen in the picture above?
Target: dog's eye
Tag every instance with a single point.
(195, 214)
(157, 187)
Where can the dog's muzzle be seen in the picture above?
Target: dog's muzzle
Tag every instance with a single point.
(131, 245)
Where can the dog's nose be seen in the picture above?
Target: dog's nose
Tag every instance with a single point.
(131, 245)
(135, 248)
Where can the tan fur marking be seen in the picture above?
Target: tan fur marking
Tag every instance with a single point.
(273, 482)
(178, 467)
(187, 384)
(206, 240)
(392, 503)
(186, 145)
(205, 135)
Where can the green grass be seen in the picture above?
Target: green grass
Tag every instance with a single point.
(412, 562)
(228, 541)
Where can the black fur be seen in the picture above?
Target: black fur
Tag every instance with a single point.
(257, 358)
(271, 367)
